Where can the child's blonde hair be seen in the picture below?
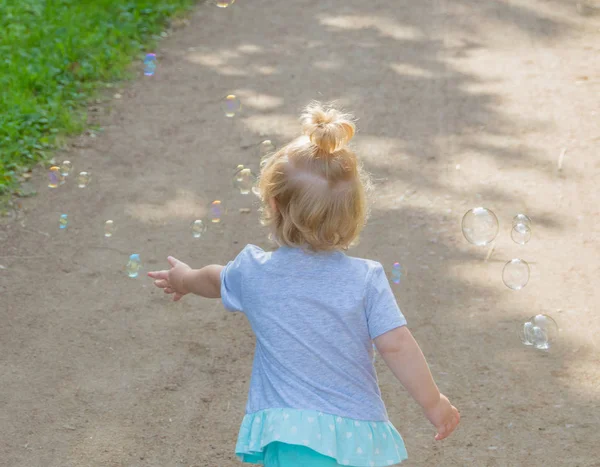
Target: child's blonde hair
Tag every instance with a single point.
(317, 185)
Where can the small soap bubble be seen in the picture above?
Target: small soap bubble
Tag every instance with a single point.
(540, 331)
(150, 64)
(54, 177)
(520, 233)
(515, 274)
(480, 226)
(65, 168)
(63, 221)
(224, 3)
(396, 273)
(244, 180)
(83, 179)
(521, 230)
(266, 148)
(231, 105)
(198, 228)
(216, 211)
(134, 265)
(109, 228)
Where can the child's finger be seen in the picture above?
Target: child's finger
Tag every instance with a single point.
(177, 297)
(158, 274)
(168, 290)
(162, 283)
(173, 261)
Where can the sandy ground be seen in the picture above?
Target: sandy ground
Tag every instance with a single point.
(460, 103)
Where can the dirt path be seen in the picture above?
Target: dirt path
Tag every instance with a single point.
(460, 103)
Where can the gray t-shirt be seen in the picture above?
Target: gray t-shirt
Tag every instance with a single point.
(314, 316)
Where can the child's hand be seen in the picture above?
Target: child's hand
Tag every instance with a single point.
(172, 280)
(444, 416)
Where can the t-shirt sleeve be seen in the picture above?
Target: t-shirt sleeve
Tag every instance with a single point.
(383, 313)
(232, 279)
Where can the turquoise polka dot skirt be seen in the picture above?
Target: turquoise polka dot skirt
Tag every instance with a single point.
(343, 440)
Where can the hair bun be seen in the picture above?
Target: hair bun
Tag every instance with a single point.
(327, 128)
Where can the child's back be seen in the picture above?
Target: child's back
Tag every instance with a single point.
(314, 316)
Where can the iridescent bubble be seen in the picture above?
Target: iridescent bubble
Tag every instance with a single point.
(515, 274)
(198, 228)
(224, 3)
(231, 105)
(266, 148)
(150, 64)
(540, 331)
(65, 168)
(520, 233)
(134, 265)
(244, 180)
(480, 226)
(521, 230)
(216, 211)
(396, 273)
(54, 177)
(83, 179)
(63, 221)
(109, 228)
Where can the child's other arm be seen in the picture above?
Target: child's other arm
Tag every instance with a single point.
(181, 280)
(404, 357)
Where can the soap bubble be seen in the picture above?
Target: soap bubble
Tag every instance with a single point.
(134, 265)
(65, 168)
(520, 233)
(224, 3)
(150, 64)
(198, 228)
(109, 228)
(396, 273)
(54, 177)
(515, 274)
(266, 148)
(521, 230)
(540, 331)
(215, 211)
(63, 221)
(83, 179)
(231, 105)
(244, 180)
(480, 226)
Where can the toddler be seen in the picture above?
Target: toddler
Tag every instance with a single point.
(314, 398)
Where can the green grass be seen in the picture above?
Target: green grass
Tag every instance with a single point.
(54, 55)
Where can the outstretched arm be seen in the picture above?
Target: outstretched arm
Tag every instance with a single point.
(404, 357)
(181, 280)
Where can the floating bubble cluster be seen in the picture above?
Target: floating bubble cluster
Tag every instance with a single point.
(396, 273)
(83, 179)
(231, 105)
(54, 177)
(134, 265)
(515, 274)
(109, 228)
(521, 229)
(198, 228)
(216, 211)
(224, 3)
(480, 226)
(63, 221)
(65, 168)
(540, 331)
(244, 180)
(150, 64)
